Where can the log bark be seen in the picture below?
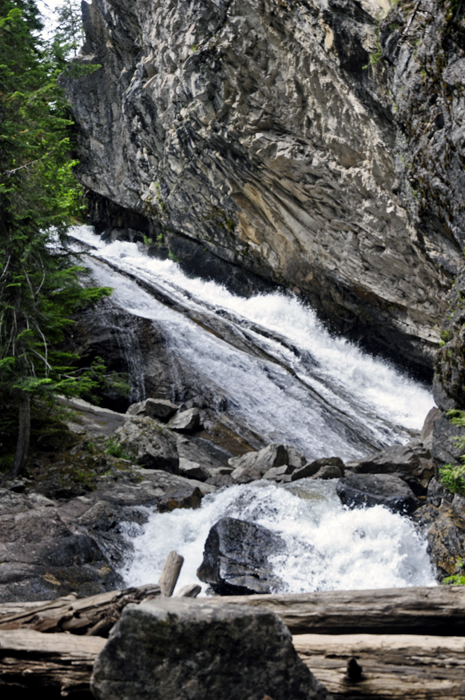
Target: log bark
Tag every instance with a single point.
(57, 662)
(95, 615)
(408, 667)
(170, 573)
(439, 610)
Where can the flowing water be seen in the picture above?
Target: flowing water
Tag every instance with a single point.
(284, 377)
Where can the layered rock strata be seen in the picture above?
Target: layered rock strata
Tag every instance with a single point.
(253, 129)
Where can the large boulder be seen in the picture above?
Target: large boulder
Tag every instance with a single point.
(361, 490)
(149, 444)
(186, 421)
(235, 558)
(254, 465)
(411, 462)
(160, 409)
(173, 649)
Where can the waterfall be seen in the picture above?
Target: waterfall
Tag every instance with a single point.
(276, 371)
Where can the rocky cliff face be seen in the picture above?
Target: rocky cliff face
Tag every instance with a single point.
(254, 128)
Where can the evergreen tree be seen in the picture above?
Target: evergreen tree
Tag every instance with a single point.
(39, 285)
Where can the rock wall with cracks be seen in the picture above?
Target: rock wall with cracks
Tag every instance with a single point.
(253, 127)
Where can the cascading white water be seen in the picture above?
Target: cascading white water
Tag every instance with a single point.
(322, 394)
(328, 546)
(289, 380)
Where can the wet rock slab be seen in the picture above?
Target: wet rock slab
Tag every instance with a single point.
(235, 560)
(365, 490)
(50, 548)
(177, 649)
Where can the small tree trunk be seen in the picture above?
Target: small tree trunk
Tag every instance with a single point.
(24, 434)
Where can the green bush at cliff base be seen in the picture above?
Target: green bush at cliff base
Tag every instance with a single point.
(114, 449)
(453, 475)
(453, 478)
(459, 578)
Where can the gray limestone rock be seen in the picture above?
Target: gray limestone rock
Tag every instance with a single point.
(160, 409)
(253, 465)
(412, 462)
(359, 490)
(278, 473)
(253, 130)
(149, 444)
(191, 649)
(193, 470)
(329, 472)
(186, 421)
(313, 468)
(235, 558)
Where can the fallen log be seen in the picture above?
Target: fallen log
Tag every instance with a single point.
(93, 616)
(408, 667)
(439, 610)
(31, 660)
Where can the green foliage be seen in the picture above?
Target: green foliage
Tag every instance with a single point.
(114, 449)
(459, 578)
(69, 34)
(453, 475)
(453, 478)
(39, 282)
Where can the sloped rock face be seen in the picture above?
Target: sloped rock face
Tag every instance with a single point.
(252, 127)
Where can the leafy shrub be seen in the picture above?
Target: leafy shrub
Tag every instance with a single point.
(453, 478)
(114, 449)
(459, 578)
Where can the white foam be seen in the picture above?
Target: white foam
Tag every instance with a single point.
(343, 374)
(328, 546)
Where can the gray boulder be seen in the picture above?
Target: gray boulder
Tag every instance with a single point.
(361, 490)
(410, 462)
(160, 409)
(193, 470)
(235, 558)
(191, 649)
(253, 465)
(186, 421)
(149, 444)
(319, 469)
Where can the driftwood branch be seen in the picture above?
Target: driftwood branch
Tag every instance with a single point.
(439, 610)
(90, 616)
(170, 573)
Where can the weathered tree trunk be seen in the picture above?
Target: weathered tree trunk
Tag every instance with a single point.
(93, 616)
(57, 663)
(408, 667)
(439, 610)
(24, 435)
